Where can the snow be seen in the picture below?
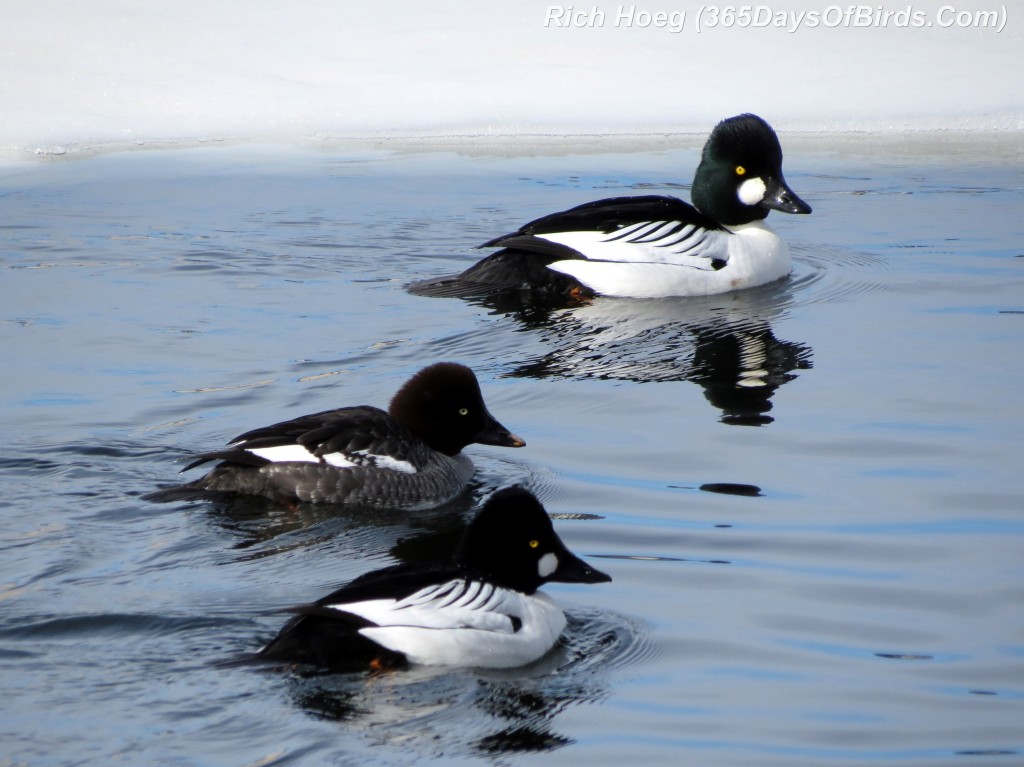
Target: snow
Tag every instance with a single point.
(113, 73)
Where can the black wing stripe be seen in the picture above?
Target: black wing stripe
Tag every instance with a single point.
(674, 228)
(437, 592)
(630, 230)
(650, 230)
(693, 246)
(482, 597)
(494, 599)
(469, 593)
(688, 231)
(616, 217)
(456, 593)
(657, 233)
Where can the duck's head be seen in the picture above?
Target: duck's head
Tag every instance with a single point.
(443, 405)
(512, 541)
(739, 178)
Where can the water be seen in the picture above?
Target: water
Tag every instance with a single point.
(820, 567)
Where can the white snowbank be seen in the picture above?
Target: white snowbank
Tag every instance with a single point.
(122, 72)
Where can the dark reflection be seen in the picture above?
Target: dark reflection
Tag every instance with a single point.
(732, 488)
(464, 712)
(724, 344)
(521, 739)
(262, 527)
(425, 537)
(529, 714)
(740, 369)
(332, 705)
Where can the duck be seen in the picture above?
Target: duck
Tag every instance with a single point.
(655, 246)
(482, 609)
(408, 457)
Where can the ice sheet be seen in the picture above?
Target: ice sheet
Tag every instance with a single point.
(77, 76)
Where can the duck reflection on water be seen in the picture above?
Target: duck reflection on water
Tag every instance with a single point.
(724, 343)
(441, 712)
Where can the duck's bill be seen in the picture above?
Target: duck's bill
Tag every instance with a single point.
(572, 569)
(780, 197)
(494, 433)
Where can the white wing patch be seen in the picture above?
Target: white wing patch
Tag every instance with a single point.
(381, 461)
(282, 453)
(652, 242)
(297, 453)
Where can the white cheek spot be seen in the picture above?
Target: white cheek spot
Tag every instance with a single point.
(751, 191)
(547, 565)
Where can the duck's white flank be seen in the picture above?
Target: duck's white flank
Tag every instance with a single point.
(754, 255)
(463, 623)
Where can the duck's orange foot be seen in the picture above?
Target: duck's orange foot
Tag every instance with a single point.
(579, 295)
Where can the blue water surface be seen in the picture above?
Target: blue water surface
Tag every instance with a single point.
(808, 495)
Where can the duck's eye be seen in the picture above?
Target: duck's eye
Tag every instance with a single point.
(740, 170)
(463, 411)
(534, 543)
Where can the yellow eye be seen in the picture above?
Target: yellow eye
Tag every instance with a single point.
(463, 411)
(534, 543)
(740, 170)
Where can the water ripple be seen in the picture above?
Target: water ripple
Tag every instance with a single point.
(827, 273)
